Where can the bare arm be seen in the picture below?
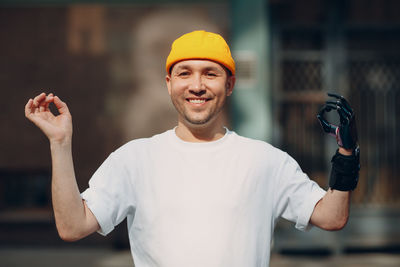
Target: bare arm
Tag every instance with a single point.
(332, 211)
(73, 218)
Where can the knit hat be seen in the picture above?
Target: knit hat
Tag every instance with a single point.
(201, 45)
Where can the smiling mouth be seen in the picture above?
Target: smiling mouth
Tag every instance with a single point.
(197, 100)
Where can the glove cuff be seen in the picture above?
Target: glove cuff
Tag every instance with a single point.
(345, 171)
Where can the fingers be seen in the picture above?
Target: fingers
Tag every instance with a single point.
(335, 95)
(329, 105)
(341, 106)
(38, 99)
(346, 104)
(44, 105)
(28, 107)
(344, 114)
(38, 104)
(327, 127)
(61, 106)
(31, 111)
(342, 100)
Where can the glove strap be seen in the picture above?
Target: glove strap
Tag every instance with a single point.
(345, 171)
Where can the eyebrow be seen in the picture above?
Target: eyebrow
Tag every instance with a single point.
(182, 67)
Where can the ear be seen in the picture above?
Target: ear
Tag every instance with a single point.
(230, 83)
(168, 81)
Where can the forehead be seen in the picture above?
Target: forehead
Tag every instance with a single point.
(197, 64)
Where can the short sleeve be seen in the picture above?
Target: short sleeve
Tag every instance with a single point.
(109, 196)
(296, 195)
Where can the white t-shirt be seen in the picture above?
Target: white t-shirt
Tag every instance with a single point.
(211, 204)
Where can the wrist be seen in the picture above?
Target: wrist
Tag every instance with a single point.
(60, 143)
(345, 171)
(345, 151)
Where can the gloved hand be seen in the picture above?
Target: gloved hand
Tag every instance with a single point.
(346, 131)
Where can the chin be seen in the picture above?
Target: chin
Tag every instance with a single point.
(197, 121)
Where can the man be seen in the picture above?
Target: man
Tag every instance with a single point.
(199, 194)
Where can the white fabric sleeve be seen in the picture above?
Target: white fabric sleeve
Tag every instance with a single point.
(296, 195)
(110, 195)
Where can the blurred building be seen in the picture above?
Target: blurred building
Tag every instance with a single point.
(349, 47)
(107, 63)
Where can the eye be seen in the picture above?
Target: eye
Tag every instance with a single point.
(183, 73)
(211, 74)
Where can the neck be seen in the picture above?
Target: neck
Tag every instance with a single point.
(197, 134)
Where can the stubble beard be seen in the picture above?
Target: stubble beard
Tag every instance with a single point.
(198, 121)
(191, 120)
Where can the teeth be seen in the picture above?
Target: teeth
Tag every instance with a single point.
(197, 101)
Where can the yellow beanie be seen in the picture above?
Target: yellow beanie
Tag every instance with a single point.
(201, 45)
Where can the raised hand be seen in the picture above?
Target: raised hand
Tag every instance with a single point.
(57, 128)
(346, 131)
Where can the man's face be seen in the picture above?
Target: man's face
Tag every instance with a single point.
(198, 90)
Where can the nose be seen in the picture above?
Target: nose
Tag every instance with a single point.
(196, 86)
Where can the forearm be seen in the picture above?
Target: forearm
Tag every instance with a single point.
(69, 210)
(332, 211)
(73, 219)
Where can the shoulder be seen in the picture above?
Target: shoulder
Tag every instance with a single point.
(254, 144)
(258, 148)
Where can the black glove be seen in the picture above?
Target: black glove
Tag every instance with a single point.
(345, 169)
(346, 132)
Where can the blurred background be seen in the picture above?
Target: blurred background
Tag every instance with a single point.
(106, 60)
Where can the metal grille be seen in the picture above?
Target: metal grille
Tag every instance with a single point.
(373, 82)
(302, 137)
(352, 50)
(300, 99)
(375, 93)
(301, 75)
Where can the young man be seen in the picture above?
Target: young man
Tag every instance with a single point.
(199, 194)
